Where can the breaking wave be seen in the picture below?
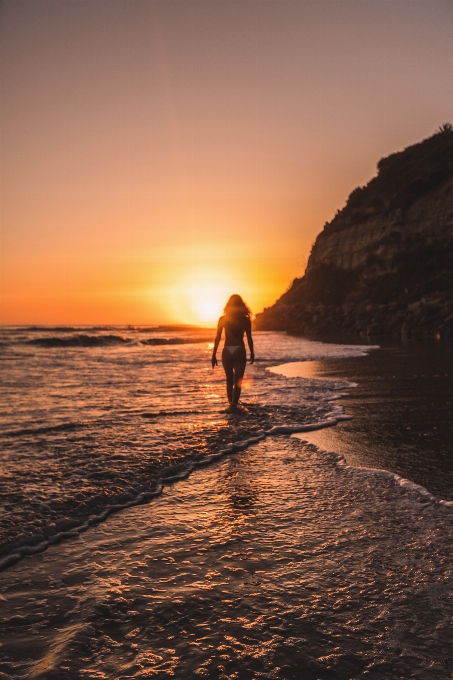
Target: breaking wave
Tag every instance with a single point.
(79, 340)
(84, 340)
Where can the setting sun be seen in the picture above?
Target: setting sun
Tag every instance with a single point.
(201, 294)
(207, 311)
(205, 302)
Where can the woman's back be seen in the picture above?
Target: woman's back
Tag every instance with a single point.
(235, 327)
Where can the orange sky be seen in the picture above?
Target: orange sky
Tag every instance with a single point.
(158, 155)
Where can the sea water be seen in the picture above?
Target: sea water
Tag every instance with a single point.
(273, 559)
(93, 417)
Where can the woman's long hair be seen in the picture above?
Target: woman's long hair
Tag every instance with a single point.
(236, 309)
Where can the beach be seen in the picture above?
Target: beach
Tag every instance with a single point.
(401, 408)
(274, 563)
(93, 417)
(274, 558)
(191, 190)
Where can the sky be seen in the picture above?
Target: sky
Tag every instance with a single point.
(160, 155)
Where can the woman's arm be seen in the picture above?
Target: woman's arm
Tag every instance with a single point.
(216, 341)
(248, 332)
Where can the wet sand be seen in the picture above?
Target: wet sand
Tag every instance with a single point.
(402, 411)
(275, 562)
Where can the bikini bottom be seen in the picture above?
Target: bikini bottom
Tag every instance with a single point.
(232, 355)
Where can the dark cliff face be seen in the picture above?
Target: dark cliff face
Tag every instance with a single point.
(384, 264)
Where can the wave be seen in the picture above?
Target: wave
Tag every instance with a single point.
(85, 340)
(48, 329)
(163, 414)
(174, 341)
(63, 427)
(79, 340)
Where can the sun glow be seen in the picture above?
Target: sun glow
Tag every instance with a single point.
(205, 302)
(200, 295)
(207, 311)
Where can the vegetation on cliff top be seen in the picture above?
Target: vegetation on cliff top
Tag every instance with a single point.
(402, 178)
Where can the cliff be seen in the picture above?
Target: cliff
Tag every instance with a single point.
(384, 264)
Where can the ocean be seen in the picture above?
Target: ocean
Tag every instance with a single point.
(147, 533)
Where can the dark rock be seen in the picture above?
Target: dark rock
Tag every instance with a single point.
(384, 265)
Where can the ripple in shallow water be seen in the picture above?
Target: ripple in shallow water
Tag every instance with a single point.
(274, 563)
(88, 428)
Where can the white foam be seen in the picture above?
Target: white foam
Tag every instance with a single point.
(279, 347)
(407, 484)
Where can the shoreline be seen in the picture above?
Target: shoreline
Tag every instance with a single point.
(279, 557)
(346, 440)
(279, 542)
(401, 411)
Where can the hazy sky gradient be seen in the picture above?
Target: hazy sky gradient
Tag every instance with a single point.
(158, 155)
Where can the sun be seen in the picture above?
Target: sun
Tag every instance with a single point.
(207, 311)
(197, 295)
(205, 301)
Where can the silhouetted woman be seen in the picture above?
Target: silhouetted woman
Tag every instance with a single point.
(236, 321)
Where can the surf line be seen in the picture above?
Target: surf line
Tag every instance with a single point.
(168, 476)
(404, 483)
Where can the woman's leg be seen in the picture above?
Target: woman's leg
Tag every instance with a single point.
(239, 370)
(227, 362)
(239, 363)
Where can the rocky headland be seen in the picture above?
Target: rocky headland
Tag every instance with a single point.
(384, 264)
